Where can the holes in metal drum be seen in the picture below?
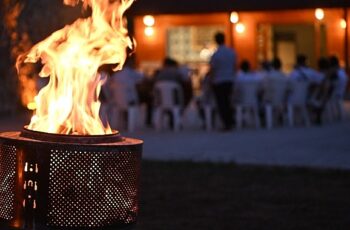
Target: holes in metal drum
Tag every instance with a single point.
(92, 189)
(7, 180)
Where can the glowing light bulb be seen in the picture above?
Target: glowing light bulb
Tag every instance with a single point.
(148, 20)
(343, 24)
(234, 17)
(240, 28)
(319, 14)
(149, 31)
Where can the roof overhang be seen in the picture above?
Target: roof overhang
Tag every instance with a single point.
(142, 7)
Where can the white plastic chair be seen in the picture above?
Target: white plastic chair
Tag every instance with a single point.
(334, 108)
(274, 100)
(246, 98)
(168, 98)
(209, 107)
(297, 100)
(124, 101)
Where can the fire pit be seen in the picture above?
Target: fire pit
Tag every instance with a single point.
(67, 169)
(62, 181)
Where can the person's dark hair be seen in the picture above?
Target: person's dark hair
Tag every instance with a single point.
(334, 61)
(265, 65)
(219, 38)
(245, 66)
(323, 64)
(170, 62)
(301, 60)
(129, 62)
(276, 63)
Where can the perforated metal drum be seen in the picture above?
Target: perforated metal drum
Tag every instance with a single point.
(87, 183)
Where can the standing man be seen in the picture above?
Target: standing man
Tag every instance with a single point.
(222, 70)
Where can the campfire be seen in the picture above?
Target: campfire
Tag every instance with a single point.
(66, 169)
(71, 58)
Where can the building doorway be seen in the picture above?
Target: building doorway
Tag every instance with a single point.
(286, 41)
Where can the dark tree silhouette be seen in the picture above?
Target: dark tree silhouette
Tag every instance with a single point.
(24, 23)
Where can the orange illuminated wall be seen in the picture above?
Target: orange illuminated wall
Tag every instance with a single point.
(153, 48)
(246, 44)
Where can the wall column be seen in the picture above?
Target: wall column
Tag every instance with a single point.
(346, 40)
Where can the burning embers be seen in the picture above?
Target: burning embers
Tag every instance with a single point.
(71, 58)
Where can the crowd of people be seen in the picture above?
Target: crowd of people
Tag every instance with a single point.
(222, 86)
(128, 87)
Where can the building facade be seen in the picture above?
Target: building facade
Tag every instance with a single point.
(257, 34)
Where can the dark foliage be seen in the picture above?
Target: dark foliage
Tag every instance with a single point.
(35, 18)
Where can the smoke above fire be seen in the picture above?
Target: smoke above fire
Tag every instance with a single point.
(71, 58)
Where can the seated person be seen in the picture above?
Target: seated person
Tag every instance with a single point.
(275, 78)
(245, 74)
(302, 72)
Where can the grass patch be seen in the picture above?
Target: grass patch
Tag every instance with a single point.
(186, 195)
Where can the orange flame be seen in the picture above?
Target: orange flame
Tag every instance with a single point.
(71, 57)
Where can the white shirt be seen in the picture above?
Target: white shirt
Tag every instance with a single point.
(123, 85)
(341, 83)
(222, 65)
(248, 77)
(126, 76)
(305, 74)
(274, 82)
(263, 73)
